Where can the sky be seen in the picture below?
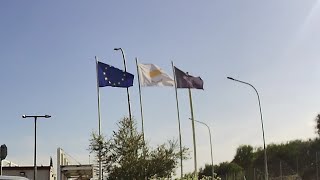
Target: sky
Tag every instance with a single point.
(48, 49)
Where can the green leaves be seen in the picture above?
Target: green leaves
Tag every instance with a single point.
(126, 155)
(318, 124)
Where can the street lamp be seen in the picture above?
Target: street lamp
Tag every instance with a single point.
(264, 142)
(35, 140)
(125, 70)
(210, 144)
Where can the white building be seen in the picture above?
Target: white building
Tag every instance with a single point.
(65, 170)
(43, 172)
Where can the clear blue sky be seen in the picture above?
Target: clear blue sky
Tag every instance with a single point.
(47, 54)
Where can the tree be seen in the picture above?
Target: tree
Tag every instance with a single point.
(126, 155)
(244, 156)
(97, 144)
(318, 124)
(206, 172)
(228, 169)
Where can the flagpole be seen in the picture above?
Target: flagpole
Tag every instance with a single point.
(99, 120)
(125, 70)
(178, 115)
(141, 110)
(194, 136)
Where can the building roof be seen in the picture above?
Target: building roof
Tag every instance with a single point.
(26, 167)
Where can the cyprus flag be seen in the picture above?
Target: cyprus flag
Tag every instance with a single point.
(152, 75)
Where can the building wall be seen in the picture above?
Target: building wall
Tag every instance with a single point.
(43, 173)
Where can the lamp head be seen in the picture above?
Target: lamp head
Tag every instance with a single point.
(116, 49)
(47, 116)
(230, 78)
(24, 116)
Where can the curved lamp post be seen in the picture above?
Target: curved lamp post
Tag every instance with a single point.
(210, 144)
(125, 70)
(264, 142)
(35, 140)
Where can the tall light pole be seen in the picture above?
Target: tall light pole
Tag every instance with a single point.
(264, 142)
(125, 69)
(35, 140)
(210, 144)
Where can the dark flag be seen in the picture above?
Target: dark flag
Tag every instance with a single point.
(111, 76)
(186, 81)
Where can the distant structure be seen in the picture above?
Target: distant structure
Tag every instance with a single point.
(8, 163)
(66, 171)
(44, 172)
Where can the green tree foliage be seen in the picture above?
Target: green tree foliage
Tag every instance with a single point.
(206, 171)
(244, 156)
(318, 124)
(126, 156)
(98, 143)
(223, 170)
(294, 159)
(297, 159)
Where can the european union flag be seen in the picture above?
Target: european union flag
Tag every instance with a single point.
(111, 76)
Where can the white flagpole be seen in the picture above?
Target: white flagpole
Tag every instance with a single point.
(178, 115)
(194, 137)
(141, 110)
(99, 121)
